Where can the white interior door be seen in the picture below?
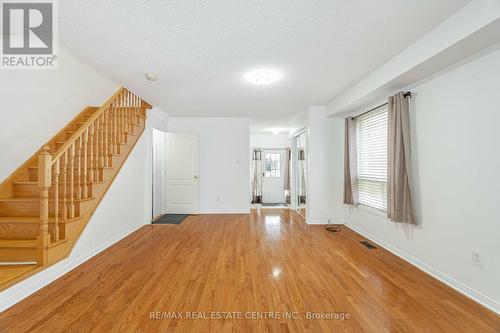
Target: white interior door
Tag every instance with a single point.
(272, 178)
(159, 173)
(182, 173)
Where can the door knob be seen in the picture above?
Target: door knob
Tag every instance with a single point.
(195, 176)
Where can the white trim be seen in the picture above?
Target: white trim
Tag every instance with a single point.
(226, 213)
(372, 210)
(317, 221)
(25, 288)
(473, 294)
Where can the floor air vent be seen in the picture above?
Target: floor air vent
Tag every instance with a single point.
(368, 245)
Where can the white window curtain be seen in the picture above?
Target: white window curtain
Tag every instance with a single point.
(256, 176)
(301, 173)
(286, 174)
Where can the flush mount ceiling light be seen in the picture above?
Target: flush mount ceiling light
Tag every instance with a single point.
(263, 77)
(151, 77)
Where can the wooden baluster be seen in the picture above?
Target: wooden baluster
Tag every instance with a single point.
(109, 136)
(79, 168)
(115, 127)
(101, 144)
(72, 181)
(137, 103)
(65, 186)
(56, 201)
(91, 153)
(96, 151)
(85, 165)
(127, 124)
(124, 116)
(120, 119)
(44, 183)
(132, 112)
(105, 147)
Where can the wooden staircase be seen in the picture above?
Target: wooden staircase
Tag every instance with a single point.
(46, 203)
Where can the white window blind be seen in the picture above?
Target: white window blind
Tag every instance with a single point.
(371, 131)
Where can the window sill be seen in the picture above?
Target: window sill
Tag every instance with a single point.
(372, 210)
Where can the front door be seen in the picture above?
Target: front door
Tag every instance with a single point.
(182, 173)
(272, 178)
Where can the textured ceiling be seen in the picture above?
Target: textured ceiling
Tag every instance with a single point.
(200, 50)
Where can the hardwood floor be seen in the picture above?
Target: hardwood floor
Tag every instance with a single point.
(269, 261)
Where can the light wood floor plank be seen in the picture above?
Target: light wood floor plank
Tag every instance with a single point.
(268, 261)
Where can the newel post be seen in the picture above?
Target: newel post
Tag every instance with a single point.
(44, 183)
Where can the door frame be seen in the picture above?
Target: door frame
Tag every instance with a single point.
(282, 165)
(293, 170)
(196, 209)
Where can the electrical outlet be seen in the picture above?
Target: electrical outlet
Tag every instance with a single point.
(477, 259)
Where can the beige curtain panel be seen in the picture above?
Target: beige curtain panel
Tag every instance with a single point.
(286, 173)
(399, 192)
(350, 163)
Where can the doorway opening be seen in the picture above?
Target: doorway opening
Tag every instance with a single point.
(159, 171)
(175, 174)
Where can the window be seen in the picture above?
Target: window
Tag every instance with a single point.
(371, 131)
(272, 165)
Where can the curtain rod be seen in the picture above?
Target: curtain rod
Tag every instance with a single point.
(406, 94)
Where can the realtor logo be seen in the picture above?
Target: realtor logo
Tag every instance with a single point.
(29, 33)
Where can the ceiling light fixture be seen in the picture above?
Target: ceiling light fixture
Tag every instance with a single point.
(151, 77)
(263, 77)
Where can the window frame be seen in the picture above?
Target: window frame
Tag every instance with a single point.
(370, 138)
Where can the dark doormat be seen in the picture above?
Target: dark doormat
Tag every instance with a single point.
(273, 205)
(171, 219)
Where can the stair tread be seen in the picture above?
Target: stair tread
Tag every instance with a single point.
(26, 243)
(31, 219)
(10, 272)
(17, 242)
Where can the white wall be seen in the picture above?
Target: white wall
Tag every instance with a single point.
(455, 137)
(224, 161)
(269, 140)
(36, 104)
(324, 169)
(130, 191)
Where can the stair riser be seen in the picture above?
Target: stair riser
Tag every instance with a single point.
(33, 191)
(17, 254)
(30, 208)
(26, 230)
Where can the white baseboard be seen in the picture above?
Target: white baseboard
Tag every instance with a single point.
(25, 288)
(324, 221)
(225, 212)
(473, 294)
(317, 221)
